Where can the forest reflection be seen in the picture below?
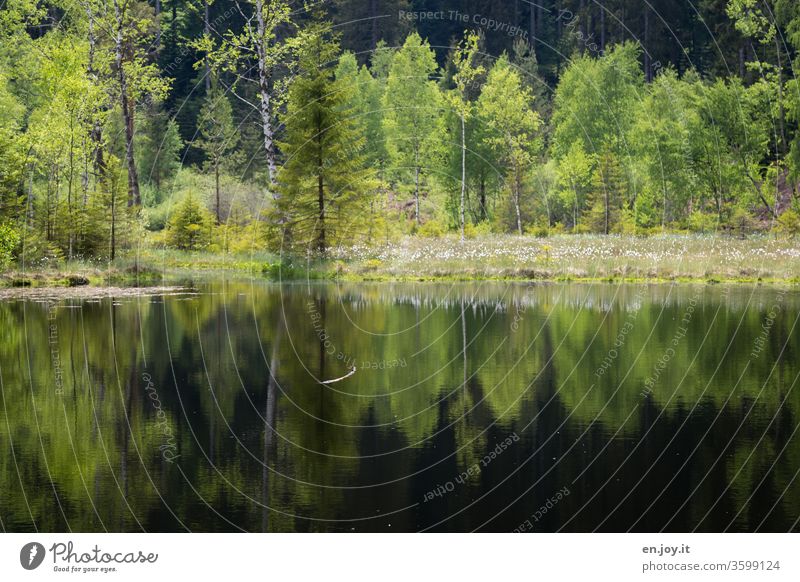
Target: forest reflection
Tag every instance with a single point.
(657, 406)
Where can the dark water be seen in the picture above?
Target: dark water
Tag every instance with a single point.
(486, 407)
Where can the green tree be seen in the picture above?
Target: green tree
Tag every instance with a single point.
(159, 145)
(575, 171)
(661, 137)
(594, 101)
(9, 241)
(218, 136)
(467, 71)
(258, 52)
(606, 199)
(740, 119)
(504, 107)
(190, 226)
(324, 180)
(413, 119)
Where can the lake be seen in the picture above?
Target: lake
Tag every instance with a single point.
(247, 405)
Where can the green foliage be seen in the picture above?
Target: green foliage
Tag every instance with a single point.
(190, 226)
(703, 222)
(593, 101)
(159, 145)
(413, 120)
(789, 223)
(512, 127)
(741, 222)
(606, 199)
(218, 132)
(363, 102)
(9, 242)
(325, 181)
(369, 139)
(432, 229)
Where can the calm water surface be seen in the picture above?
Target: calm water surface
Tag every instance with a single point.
(487, 407)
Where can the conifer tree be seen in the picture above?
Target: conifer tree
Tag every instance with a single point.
(324, 179)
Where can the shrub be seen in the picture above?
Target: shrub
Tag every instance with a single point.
(432, 229)
(789, 223)
(476, 230)
(190, 227)
(9, 241)
(702, 222)
(741, 222)
(540, 230)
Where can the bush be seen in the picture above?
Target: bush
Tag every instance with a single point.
(190, 227)
(36, 251)
(789, 223)
(540, 230)
(432, 229)
(702, 222)
(741, 222)
(9, 241)
(476, 230)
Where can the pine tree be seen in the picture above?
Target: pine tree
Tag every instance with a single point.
(324, 179)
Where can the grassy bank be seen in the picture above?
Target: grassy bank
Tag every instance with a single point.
(560, 258)
(573, 257)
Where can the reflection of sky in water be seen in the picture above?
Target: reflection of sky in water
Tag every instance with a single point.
(655, 406)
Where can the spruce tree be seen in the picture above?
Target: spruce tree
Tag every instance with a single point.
(324, 179)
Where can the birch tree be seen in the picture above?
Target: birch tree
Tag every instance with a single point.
(513, 126)
(467, 70)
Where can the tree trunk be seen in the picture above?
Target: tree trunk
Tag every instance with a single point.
(134, 197)
(781, 112)
(463, 170)
(70, 177)
(484, 212)
(96, 133)
(602, 29)
(373, 15)
(321, 244)
(216, 184)
(264, 78)
(517, 187)
(539, 17)
(416, 192)
(741, 62)
(648, 73)
(532, 26)
(207, 32)
(157, 42)
(113, 219)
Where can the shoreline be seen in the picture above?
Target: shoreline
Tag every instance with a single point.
(678, 259)
(44, 280)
